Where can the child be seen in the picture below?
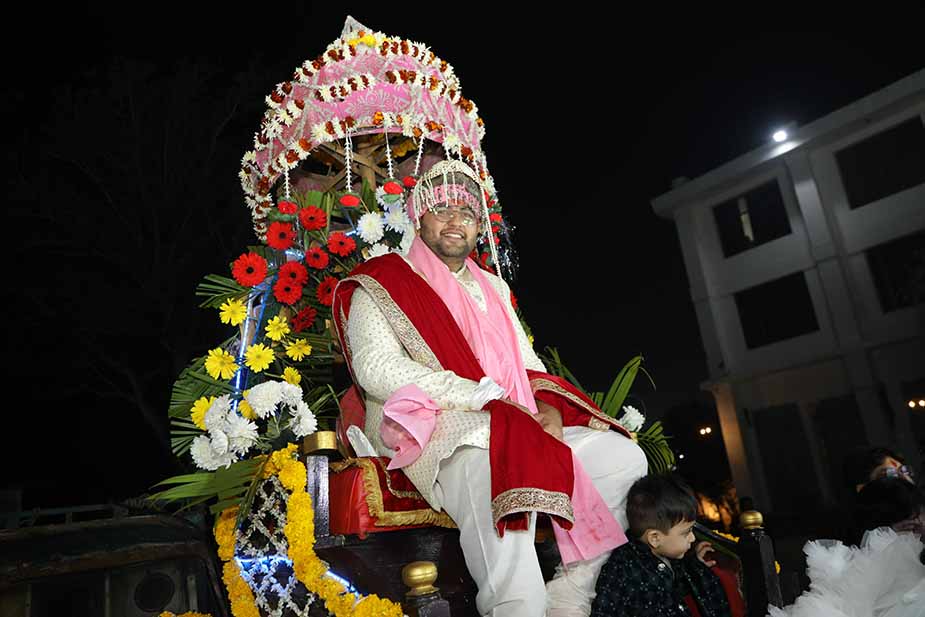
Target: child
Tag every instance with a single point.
(650, 575)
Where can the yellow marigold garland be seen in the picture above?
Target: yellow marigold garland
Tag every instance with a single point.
(300, 534)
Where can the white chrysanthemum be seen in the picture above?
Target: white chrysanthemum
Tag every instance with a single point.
(406, 241)
(397, 220)
(303, 421)
(632, 420)
(271, 103)
(289, 394)
(377, 250)
(215, 415)
(370, 227)
(284, 117)
(264, 398)
(205, 457)
(218, 440)
(249, 157)
(242, 433)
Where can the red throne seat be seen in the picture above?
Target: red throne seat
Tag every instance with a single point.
(367, 498)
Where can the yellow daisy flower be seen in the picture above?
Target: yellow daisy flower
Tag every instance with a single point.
(258, 357)
(277, 328)
(245, 408)
(232, 312)
(199, 409)
(220, 364)
(292, 376)
(299, 349)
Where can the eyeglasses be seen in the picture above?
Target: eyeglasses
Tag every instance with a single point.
(444, 213)
(903, 471)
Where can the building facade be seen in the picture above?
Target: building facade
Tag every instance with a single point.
(806, 263)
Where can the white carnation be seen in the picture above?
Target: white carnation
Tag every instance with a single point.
(377, 250)
(370, 227)
(264, 398)
(303, 421)
(632, 420)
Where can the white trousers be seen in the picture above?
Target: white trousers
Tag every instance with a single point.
(506, 569)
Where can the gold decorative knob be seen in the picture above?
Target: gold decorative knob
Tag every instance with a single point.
(420, 576)
(319, 440)
(751, 519)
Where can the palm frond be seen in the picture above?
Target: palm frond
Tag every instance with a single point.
(217, 289)
(654, 444)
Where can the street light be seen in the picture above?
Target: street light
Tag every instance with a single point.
(911, 404)
(779, 136)
(921, 402)
(706, 430)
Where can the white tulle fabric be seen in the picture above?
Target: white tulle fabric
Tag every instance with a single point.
(881, 578)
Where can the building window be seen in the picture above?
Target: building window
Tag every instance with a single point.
(898, 270)
(884, 164)
(751, 219)
(776, 311)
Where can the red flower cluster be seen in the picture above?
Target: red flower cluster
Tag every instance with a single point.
(287, 292)
(513, 300)
(287, 207)
(312, 218)
(325, 291)
(280, 235)
(316, 258)
(341, 244)
(294, 272)
(304, 319)
(249, 269)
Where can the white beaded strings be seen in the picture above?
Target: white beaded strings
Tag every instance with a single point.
(348, 159)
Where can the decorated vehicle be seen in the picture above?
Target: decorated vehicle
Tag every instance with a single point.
(305, 523)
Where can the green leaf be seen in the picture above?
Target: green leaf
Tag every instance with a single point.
(620, 387)
(217, 289)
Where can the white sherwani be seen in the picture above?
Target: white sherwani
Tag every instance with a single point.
(453, 472)
(373, 346)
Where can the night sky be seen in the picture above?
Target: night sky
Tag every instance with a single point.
(124, 131)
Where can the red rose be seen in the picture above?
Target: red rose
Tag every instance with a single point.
(294, 272)
(312, 218)
(287, 292)
(280, 235)
(350, 201)
(304, 319)
(316, 258)
(392, 188)
(341, 244)
(287, 207)
(325, 291)
(249, 269)
(494, 217)
(409, 182)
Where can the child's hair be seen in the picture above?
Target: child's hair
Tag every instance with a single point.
(887, 501)
(860, 463)
(659, 502)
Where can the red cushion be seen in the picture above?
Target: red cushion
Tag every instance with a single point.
(730, 584)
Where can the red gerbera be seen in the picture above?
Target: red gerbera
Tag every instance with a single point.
(341, 244)
(325, 290)
(249, 269)
(312, 218)
(304, 319)
(316, 258)
(287, 207)
(294, 272)
(280, 235)
(287, 292)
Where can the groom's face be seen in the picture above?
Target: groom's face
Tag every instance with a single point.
(451, 240)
